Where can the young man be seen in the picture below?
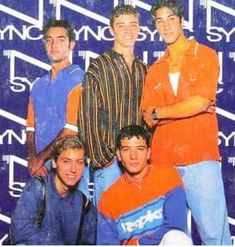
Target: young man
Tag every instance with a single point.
(64, 204)
(54, 99)
(179, 102)
(145, 205)
(111, 97)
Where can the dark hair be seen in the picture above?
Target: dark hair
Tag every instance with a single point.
(132, 131)
(174, 5)
(59, 23)
(123, 9)
(64, 143)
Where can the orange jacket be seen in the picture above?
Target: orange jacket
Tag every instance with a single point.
(187, 140)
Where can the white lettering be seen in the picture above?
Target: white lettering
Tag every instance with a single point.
(10, 135)
(142, 221)
(14, 187)
(227, 140)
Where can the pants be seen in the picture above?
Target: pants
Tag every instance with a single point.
(205, 196)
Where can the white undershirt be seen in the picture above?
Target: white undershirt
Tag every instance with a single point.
(174, 80)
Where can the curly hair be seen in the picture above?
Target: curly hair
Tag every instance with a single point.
(132, 131)
(123, 9)
(174, 5)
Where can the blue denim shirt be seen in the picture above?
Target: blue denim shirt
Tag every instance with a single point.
(61, 220)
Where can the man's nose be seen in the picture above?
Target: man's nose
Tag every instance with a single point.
(133, 154)
(73, 167)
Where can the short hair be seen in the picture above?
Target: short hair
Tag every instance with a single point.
(64, 143)
(59, 23)
(174, 5)
(123, 9)
(133, 131)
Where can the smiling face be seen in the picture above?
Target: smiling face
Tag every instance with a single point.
(134, 155)
(169, 26)
(125, 31)
(57, 45)
(69, 168)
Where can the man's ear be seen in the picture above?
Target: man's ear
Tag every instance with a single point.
(182, 21)
(148, 153)
(111, 31)
(72, 45)
(54, 165)
(118, 155)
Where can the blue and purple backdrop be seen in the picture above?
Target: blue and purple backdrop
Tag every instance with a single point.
(22, 60)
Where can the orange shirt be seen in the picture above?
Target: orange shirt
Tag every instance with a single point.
(193, 139)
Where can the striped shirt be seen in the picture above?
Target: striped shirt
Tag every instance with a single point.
(110, 100)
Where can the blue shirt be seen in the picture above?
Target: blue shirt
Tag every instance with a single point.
(61, 219)
(49, 98)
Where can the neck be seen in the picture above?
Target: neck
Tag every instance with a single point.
(57, 67)
(137, 177)
(60, 187)
(127, 52)
(179, 46)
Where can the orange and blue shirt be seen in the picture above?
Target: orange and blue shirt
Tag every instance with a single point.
(142, 213)
(53, 105)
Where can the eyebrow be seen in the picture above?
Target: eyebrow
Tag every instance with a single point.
(139, 146)
(58, 37)
(157, 18)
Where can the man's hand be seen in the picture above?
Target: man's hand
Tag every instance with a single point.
(211, 108)
(36, 166)
(147, 115)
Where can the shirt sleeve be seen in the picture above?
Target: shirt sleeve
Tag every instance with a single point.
(91, 122)
(175, 217)
(30, 117)
(72, 108)
(24, 229)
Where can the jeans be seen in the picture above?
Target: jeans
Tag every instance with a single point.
(205, 196)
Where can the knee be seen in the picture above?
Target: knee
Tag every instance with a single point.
(176, 237)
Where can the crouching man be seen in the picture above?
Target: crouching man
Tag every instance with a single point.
(146, 205)
(51, 210)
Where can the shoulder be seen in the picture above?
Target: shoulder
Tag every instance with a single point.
(109, 197)
(166, 178)
(39, 81)
(74, 69)
(202, 51)
(100, 60)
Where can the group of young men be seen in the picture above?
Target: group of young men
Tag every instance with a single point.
(143, 185)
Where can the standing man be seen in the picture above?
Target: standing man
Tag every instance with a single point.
(67, 217)
(179, 103)
(146, 205)
(54, 99)
(111, 97)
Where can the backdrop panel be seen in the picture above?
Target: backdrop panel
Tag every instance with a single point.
(22, 60)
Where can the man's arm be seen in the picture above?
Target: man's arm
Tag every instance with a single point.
(24, 229)
(175, 217)
(92, 122)
(106, 231)
(202, 94)
(36, 160)
(187, 108)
